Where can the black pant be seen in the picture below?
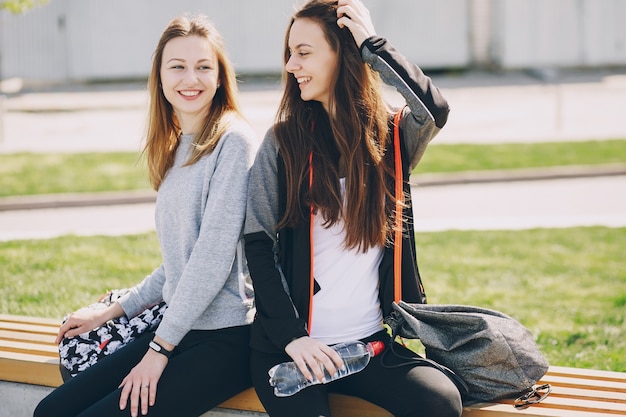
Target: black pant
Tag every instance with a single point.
(409, 390)
(205, 369)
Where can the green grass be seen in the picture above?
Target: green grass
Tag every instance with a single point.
(51, 277)
(568, 286)
(472, 157)
(28, 174)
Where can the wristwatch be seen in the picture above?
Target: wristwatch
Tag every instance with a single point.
(158, 348)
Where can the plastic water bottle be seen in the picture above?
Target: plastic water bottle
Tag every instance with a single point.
(287, 379)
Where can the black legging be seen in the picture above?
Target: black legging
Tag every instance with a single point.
(404, 391)
(206, 368)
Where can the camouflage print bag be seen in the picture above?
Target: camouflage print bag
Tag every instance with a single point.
(80, 352)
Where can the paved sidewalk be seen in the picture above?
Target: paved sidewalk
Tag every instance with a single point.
(568, 202)
(486, 108)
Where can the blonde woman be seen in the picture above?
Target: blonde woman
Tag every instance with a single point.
(199, 153)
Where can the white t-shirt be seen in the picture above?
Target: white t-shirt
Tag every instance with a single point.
(346, 307)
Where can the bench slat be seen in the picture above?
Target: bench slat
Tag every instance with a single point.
(346, 406)
(616, 407)
(590, 384)
(46, 339)
(29, 348)
(500, 410)
(246, 400)
(29, 328)
(559, 391)
(30, 369)
(342, 405)
(40, 321)
(564, 402)
(586, 373)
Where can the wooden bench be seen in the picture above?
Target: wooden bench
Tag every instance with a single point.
(28, 355)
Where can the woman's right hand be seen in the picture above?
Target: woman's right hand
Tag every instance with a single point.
(308, 353)
(87, 319)
(356, 17)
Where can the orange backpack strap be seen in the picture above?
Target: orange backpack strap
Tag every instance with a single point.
(399, 194)
(312, 248)
(399, 197)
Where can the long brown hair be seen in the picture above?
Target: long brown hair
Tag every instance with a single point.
(163, 129)
(356, 133)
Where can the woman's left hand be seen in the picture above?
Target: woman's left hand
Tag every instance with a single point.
(140, 385)
(355, 16)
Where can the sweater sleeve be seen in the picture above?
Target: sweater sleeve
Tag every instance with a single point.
(275, 311)
(427, 109)
(145, 294)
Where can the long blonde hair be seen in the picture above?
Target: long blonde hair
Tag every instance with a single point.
(163, 128)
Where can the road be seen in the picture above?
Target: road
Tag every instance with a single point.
(499, 205)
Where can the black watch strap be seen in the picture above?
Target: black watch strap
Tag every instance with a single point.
(158, 348)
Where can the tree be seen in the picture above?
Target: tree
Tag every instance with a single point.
(20, 6)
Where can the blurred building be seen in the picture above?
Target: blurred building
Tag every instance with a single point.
(89, 40)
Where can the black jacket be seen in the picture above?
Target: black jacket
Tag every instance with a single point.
(279, 260)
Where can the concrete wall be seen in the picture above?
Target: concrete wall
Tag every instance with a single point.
(92, 39)
(69, 40)
(20, 400)
(559, 33)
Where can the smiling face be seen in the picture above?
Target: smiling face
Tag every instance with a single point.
(189, 79)
(312, 61)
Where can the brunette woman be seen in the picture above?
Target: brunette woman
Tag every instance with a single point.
(321, 212)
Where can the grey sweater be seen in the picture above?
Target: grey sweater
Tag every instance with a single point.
(200, 211)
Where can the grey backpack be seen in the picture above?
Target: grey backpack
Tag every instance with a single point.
(492, 353)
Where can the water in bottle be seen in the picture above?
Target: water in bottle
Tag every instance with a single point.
(287, 379)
